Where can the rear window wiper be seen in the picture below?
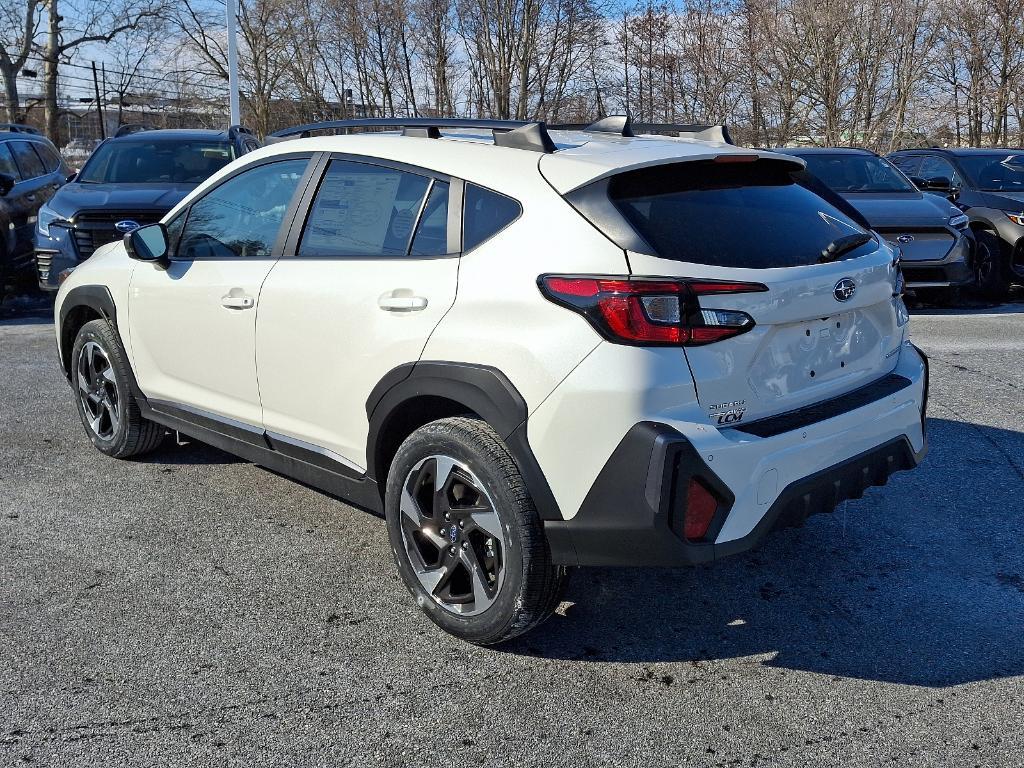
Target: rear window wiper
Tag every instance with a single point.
(842, 245)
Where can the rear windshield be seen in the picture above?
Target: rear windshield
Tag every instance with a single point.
(754, 215)
(164, 161)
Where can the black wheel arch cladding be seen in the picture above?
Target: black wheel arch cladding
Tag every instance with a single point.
(479, 389)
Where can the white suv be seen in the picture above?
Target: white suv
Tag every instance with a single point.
(531, 350)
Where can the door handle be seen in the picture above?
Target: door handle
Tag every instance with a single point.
(391, 303)
(237, 302)
(31, 198)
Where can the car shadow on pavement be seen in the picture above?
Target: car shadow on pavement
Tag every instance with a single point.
(920, 582)
(190, 452)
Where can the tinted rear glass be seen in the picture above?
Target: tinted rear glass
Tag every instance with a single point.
(156, 162)
(753, 215)
(27, 159)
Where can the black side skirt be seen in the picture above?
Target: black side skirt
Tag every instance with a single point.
(254, 445)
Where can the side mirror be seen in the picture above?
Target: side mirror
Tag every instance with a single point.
(148, 243)
(939, 184)
(918, 182)
(7, 183)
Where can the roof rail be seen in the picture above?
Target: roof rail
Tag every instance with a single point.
(129, 128)
(518, 134)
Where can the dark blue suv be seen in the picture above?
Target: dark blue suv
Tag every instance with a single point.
(129, 180)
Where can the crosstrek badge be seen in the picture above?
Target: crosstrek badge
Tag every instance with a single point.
(728, 413)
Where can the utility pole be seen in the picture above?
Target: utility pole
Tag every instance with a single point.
(99, 104)
(233, 106)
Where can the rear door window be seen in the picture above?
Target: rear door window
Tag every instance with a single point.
(28, 161)
(485, 214)
(364, 210)
(752, 215)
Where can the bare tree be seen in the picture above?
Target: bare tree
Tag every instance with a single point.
(19, 22)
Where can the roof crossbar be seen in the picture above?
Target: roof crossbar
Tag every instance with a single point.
(518, 134)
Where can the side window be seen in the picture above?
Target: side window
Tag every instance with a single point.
(249, 145)
(51, 160)
(7, 165)
(935, 167)
(485, 214)
(242, 216)
(26, 158)
(909, 164)
(363, 210)
(431, 238)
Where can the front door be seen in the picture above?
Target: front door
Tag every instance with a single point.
(192, 325)
(358, 294)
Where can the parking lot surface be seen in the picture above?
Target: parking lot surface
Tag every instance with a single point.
(193, 609)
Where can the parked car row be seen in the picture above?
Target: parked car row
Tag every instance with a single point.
(51, 219)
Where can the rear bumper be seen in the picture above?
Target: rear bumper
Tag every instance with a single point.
(634, 512)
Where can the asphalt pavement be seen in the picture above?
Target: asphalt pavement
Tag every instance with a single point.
(191, 609)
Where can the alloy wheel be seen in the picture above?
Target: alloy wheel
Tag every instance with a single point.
(984, 264)
(452, 535)
(97, 389)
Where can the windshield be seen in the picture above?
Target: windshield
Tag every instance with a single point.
(156, 162)
(844, 172)
(756, 215)
(994, 171)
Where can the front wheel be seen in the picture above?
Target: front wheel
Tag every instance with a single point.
(466, 535)
(990, 279)
(100, 376)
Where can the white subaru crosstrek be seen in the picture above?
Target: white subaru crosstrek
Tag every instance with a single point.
(530, 350)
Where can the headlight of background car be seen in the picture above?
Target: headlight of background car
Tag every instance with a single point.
(959, 221)
(1016, 218)
(49, 217)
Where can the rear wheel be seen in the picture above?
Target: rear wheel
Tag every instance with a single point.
(466, 536)
(990, 279)
(100, 375)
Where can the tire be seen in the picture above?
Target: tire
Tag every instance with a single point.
(483, 522)
(990, 279)
(109, 412)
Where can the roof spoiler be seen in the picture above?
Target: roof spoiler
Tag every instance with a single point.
(622, 125)
(517, 134)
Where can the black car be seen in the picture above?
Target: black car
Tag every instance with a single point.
(31, 171)
(129, 180)
(988, 185)
(931, 232)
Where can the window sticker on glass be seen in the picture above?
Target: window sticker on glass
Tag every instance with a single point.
(363, 210)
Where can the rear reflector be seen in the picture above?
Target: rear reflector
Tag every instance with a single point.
(647, 311)
(701, 506)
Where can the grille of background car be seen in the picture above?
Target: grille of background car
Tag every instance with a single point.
(92, 230)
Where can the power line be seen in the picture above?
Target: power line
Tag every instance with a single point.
(142, 74)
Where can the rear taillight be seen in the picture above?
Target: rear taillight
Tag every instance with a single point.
(650, 311)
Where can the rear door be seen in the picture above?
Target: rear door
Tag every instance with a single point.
(826, 324)
(364, 281)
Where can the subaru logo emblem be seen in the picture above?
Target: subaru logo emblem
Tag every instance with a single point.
(844, 289)
(904, 239)
(126, 226)
(453, 534)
